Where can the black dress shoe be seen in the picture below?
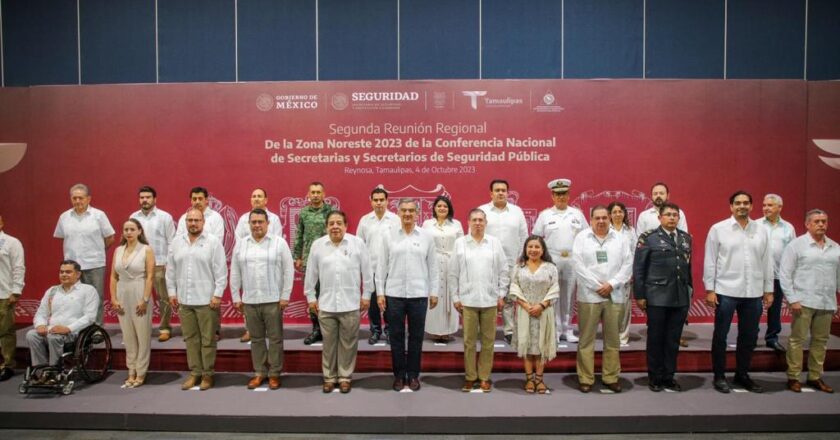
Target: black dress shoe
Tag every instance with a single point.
(312, 338)
(509, 339)
(374, 338)
(414, 384)
(776, 346)
(671, 385)
(721, 385)
(748, 384)
(398, 385)
(6, 374)
(655, 386)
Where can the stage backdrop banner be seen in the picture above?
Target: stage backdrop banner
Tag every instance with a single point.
(418, 139)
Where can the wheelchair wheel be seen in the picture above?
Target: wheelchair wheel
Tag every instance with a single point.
(92, 354)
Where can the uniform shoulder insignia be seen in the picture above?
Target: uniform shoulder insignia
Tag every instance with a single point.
(643, 238)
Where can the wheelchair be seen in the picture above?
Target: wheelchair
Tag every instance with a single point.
(86, 359)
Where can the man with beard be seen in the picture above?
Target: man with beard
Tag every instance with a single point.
(259, 200)
(738, 275)
(214, 224)
(649, 218)
(159, 229)
(196, 276)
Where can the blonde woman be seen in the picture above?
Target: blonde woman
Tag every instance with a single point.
(132, 273)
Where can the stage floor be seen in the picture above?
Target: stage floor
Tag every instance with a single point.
(439, 407)
(299, 358)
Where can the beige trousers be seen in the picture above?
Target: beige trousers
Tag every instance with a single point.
(818, 323)
(479, 320)
(589, 315)
(198, 325)
(136, 330)
(341, 342)
(265, 324)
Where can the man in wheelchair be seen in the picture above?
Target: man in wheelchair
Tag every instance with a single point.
(66, 309)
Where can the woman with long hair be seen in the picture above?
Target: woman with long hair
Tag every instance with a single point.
(442, 321)
(620, 222)
(534, 286)
(132, 273)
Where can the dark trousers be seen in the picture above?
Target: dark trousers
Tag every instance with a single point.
(316, 325)
(774, 315)
(664, 326)
(406, 365)
(375, 317)
(749, 313)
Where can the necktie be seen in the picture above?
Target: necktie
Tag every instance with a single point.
(674, 237)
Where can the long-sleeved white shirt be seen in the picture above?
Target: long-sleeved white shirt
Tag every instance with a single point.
(599, 261)
(75, 309)
(243, 228)
(559, 229)
(408, 266)
(214, 224)
(509, 226)
(342, 269)
(159, 228)
(373, 230)
(738, 261)
(262, 271)
(478, 271)
(781, 234)
(810, 275)
(196, 272)
(12, 268)
(84, 236)
(649, 219)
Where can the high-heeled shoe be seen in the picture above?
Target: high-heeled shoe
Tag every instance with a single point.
(139, 381)
(129, 383)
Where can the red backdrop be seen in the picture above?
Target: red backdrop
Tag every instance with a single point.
(613, 139)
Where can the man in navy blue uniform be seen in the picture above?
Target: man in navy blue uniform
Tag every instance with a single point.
(662, 273)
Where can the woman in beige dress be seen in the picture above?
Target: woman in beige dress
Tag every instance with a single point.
(534, 288)
(132, 272)
(442, 321)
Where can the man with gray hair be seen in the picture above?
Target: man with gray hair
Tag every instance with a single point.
(810, 277)
(781, 233)
(86, 234)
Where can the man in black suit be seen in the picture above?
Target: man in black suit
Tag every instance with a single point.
(662, 273)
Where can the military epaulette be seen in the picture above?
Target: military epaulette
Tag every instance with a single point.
(643, 237)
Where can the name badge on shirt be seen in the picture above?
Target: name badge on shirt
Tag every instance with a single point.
(601, 256)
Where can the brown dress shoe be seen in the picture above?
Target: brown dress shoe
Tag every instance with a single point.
(274, 382)
(328, 387)
(820, 386)
(190, 382)
(206, 382)
(614, 387)
(344, 387)
(255, 382)
(468, 386)
(164, 336)
(486, 386)
(794, 385)
(414, 384)
(398, 385)
(585, 387)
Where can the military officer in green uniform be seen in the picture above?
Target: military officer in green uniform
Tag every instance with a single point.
(312, 224)
(662, 273)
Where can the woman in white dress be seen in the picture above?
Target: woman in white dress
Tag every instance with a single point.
(534, 287)
(442, 321)
(621, 224)
(132, 272)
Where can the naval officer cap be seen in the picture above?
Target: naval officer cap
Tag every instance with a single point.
(560, 186)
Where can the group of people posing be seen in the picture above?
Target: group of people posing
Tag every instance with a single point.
(414, 280)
